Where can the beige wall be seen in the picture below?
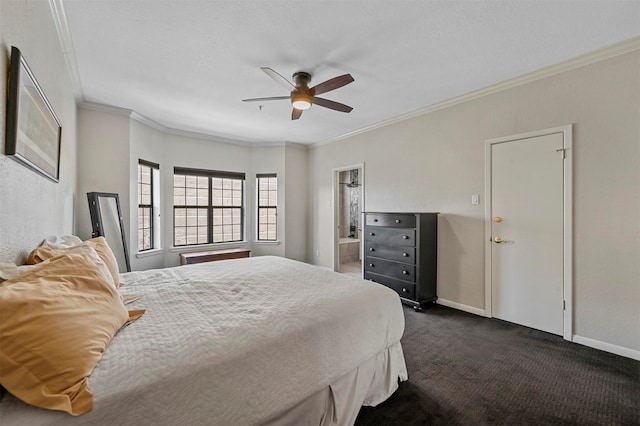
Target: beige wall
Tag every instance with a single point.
(34, 207)
(103, 163)
(435, 162)
(296, 199)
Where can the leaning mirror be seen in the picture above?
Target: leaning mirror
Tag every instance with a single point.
(106, 220)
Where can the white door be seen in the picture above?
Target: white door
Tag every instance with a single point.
(527, 220)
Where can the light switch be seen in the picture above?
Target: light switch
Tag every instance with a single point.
(475, 199)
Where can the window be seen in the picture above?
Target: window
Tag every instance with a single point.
(267, 206)
(147, 218)
(208, 206)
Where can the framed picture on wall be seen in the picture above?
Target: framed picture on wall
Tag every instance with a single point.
(33, 129)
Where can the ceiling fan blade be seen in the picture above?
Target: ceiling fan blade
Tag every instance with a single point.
(332, 84)
(272, 98)
(278, 78)
(296, 113)
(332, 105)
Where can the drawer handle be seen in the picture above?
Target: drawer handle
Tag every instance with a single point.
(404, 290)
(405, 254)
(405, 237)
(397, 220)
(372, 234)
(375, 220)
(372, 265)
(405, 272)
(372, 249)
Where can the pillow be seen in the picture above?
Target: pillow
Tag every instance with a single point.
(99, 243)
(65, 241)
(10, 270)
(57, 321)
(108, 257)
(44, 253)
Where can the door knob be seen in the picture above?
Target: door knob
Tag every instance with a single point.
(497, 219)
(498, 240)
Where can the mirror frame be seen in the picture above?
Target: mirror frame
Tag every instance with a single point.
(97, 224)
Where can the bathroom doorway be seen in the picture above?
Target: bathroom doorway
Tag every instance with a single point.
(348, 202)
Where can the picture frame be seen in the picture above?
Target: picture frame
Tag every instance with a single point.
(33, 131)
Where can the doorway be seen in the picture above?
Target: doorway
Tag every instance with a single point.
(348, 202)
(528, 229)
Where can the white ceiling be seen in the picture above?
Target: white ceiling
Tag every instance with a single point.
(186, 64)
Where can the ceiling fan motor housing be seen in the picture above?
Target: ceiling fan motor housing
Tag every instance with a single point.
(302, 80)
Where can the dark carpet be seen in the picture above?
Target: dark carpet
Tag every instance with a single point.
(469, 370)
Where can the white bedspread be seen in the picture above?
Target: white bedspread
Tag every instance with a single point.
(234, 342)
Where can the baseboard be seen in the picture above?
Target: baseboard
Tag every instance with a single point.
(607, 347)
(596, 344)
(461, 307)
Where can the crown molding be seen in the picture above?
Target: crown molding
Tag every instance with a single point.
(599, 55)
(296, 145)
(148, 122)
(124, 112)
(105, 108)
(66, 43)
(285, 144)
(206, 137)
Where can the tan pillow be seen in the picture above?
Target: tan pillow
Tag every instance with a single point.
(56, 322)
(108, 257)
(44, 252)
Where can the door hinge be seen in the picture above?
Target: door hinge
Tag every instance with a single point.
(563, 150)
(564, 305)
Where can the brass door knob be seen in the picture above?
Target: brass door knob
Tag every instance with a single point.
(497, 240)
(497, 219)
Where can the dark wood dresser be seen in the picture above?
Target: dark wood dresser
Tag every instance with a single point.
(400, 252)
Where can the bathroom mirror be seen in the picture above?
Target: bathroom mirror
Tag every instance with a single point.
(106, 220)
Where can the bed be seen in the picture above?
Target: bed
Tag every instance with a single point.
(263, 340)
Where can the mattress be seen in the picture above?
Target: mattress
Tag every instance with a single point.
(241, 342)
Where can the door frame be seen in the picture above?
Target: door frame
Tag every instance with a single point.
(567, 132)
(336, 208)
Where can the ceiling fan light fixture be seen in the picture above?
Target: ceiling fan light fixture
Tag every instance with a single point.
(301, 100)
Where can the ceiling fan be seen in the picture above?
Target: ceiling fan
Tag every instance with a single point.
(301, 96)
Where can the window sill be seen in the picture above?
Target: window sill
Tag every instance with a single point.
(267, 243)
(235, 244)
(149, 253)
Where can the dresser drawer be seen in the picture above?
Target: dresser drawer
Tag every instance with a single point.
(399, 254)
(404, 289)
(391, 219)
(391, 236)
(401, 271)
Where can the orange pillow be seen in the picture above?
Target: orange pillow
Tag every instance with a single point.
(56, 322)
(43, 253)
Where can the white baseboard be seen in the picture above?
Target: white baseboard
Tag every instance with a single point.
(607, 347)
(461, 307)
(596, 344)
